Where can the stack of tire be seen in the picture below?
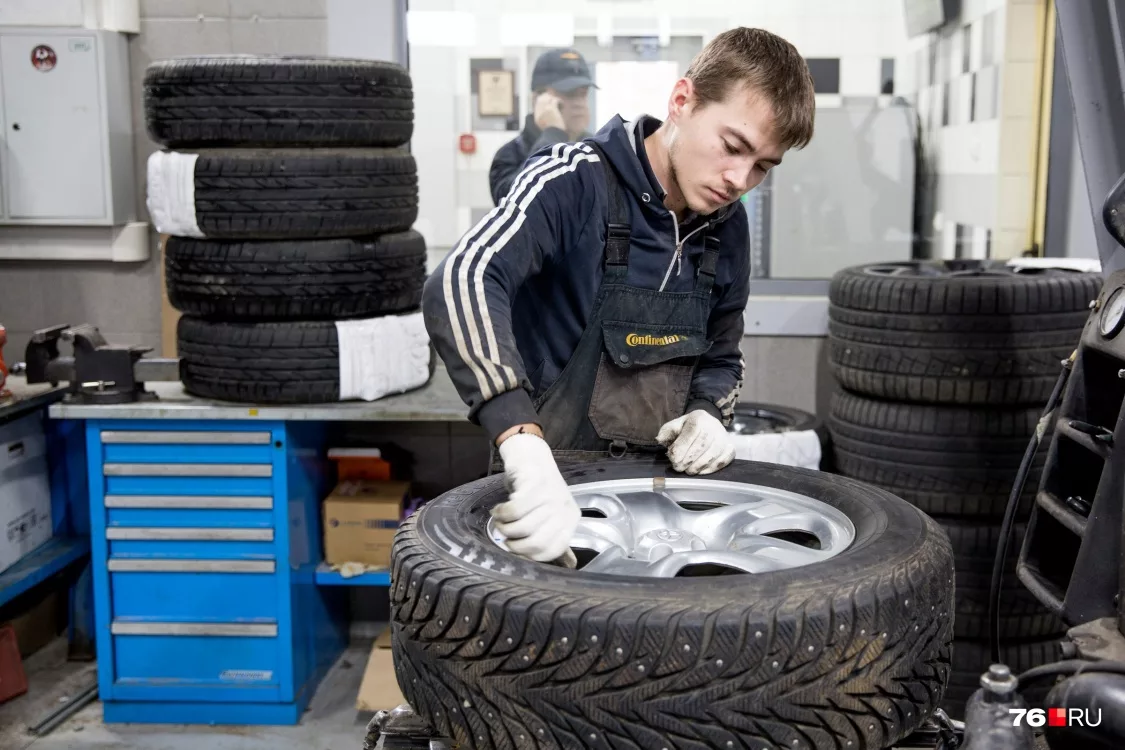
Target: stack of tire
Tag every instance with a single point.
(286, 196)
(946, 368)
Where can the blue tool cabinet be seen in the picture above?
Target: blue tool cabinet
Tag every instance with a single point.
(205, 538)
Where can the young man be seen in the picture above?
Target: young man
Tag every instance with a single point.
(598, 309)
(561, 84)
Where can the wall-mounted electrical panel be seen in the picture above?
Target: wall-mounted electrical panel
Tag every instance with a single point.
(66, 128)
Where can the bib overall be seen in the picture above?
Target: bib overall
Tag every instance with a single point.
(632, 369)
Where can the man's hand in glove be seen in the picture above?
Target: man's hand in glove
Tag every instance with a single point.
(540, 515)
(697, 443)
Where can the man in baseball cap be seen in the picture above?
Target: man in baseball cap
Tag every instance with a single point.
(561, 83)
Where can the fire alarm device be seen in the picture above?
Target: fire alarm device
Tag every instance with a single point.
(468, 143)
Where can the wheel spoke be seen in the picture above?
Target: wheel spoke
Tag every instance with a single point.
(601, 533)
(776, 554)
(674, 564)
(657, 510)
(614, 561)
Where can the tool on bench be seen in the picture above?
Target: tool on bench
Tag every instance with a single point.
(98, 372)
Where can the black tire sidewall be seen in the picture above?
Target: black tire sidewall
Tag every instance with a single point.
(888, 532)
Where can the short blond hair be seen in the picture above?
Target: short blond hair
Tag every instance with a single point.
(768, 65)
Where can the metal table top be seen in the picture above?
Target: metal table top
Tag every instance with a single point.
(437, 401)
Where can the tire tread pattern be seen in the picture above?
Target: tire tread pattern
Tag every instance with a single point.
(311, 280)
(269, 101)
(303, 193)
(497, 664)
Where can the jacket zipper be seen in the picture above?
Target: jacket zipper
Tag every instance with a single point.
(677, 257)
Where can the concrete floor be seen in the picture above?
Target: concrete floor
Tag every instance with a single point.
(330, 723)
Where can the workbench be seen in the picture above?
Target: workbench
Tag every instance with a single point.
(212, 603)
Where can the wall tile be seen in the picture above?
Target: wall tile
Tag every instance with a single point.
(287, 37)
(166, 37)
(279, 8)
(1017, 90)
(967, 199)
(1014, 206)
(796, 357)
(860, 75)
(1008, 243)
(181, 9)
(23, 301)
(123, 298)
(1023, 32)
(1017, 146)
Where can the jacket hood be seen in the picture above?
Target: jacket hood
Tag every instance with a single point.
(615, 139)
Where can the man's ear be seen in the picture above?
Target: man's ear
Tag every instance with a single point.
(682, 99)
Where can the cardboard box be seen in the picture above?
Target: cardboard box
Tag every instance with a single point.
(379, 690)
(360, 521)
(25, 489)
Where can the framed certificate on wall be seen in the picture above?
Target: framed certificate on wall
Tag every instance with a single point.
(495, 93)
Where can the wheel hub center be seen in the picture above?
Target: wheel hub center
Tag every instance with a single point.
(659, 543)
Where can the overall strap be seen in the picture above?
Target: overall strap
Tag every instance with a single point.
(708, 262)
(618, 230)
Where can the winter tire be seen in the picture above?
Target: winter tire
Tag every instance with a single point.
(265, 363)
(499, 652)
(1022, 617)
(301, 280)
(946, 460)
(246, 100)
(282, 194)
(955, 332)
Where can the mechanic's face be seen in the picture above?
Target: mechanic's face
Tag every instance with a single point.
(720, 151)
(575, 110)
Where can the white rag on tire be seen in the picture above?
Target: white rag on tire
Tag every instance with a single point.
(799, 448)
(171, 193)
(382, 356)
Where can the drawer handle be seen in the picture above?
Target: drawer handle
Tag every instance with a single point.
(187, 535)
(128, 565)
(188, 470)
(187, 501)
(236, 629)
(127, 437)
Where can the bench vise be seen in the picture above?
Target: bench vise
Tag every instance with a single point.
(98, 372)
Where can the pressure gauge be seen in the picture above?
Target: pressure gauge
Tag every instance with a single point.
(1113, 315)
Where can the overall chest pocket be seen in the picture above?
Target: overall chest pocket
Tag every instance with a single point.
(643, 379)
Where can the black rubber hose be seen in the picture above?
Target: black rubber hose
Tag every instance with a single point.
(1010, 511)
(1070, 667)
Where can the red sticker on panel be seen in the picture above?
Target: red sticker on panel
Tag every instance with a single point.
(44, 58)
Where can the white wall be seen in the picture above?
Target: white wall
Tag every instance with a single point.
(979, 146)
(858, 32)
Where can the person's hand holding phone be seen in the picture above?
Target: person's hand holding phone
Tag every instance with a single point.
(548, 111)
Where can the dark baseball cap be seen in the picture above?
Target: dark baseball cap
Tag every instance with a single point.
(561, 69)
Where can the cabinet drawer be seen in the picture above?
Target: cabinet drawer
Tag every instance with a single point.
(175, 447)
(193, 597)
(153, 660)
(183, 485)
(191, 517)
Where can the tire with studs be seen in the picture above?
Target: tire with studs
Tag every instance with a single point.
(499, 652)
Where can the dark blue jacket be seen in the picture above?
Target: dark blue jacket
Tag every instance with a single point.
(507, 306)
(510, 158)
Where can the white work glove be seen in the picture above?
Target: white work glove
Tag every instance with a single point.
(540, 515)
(697, 443)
